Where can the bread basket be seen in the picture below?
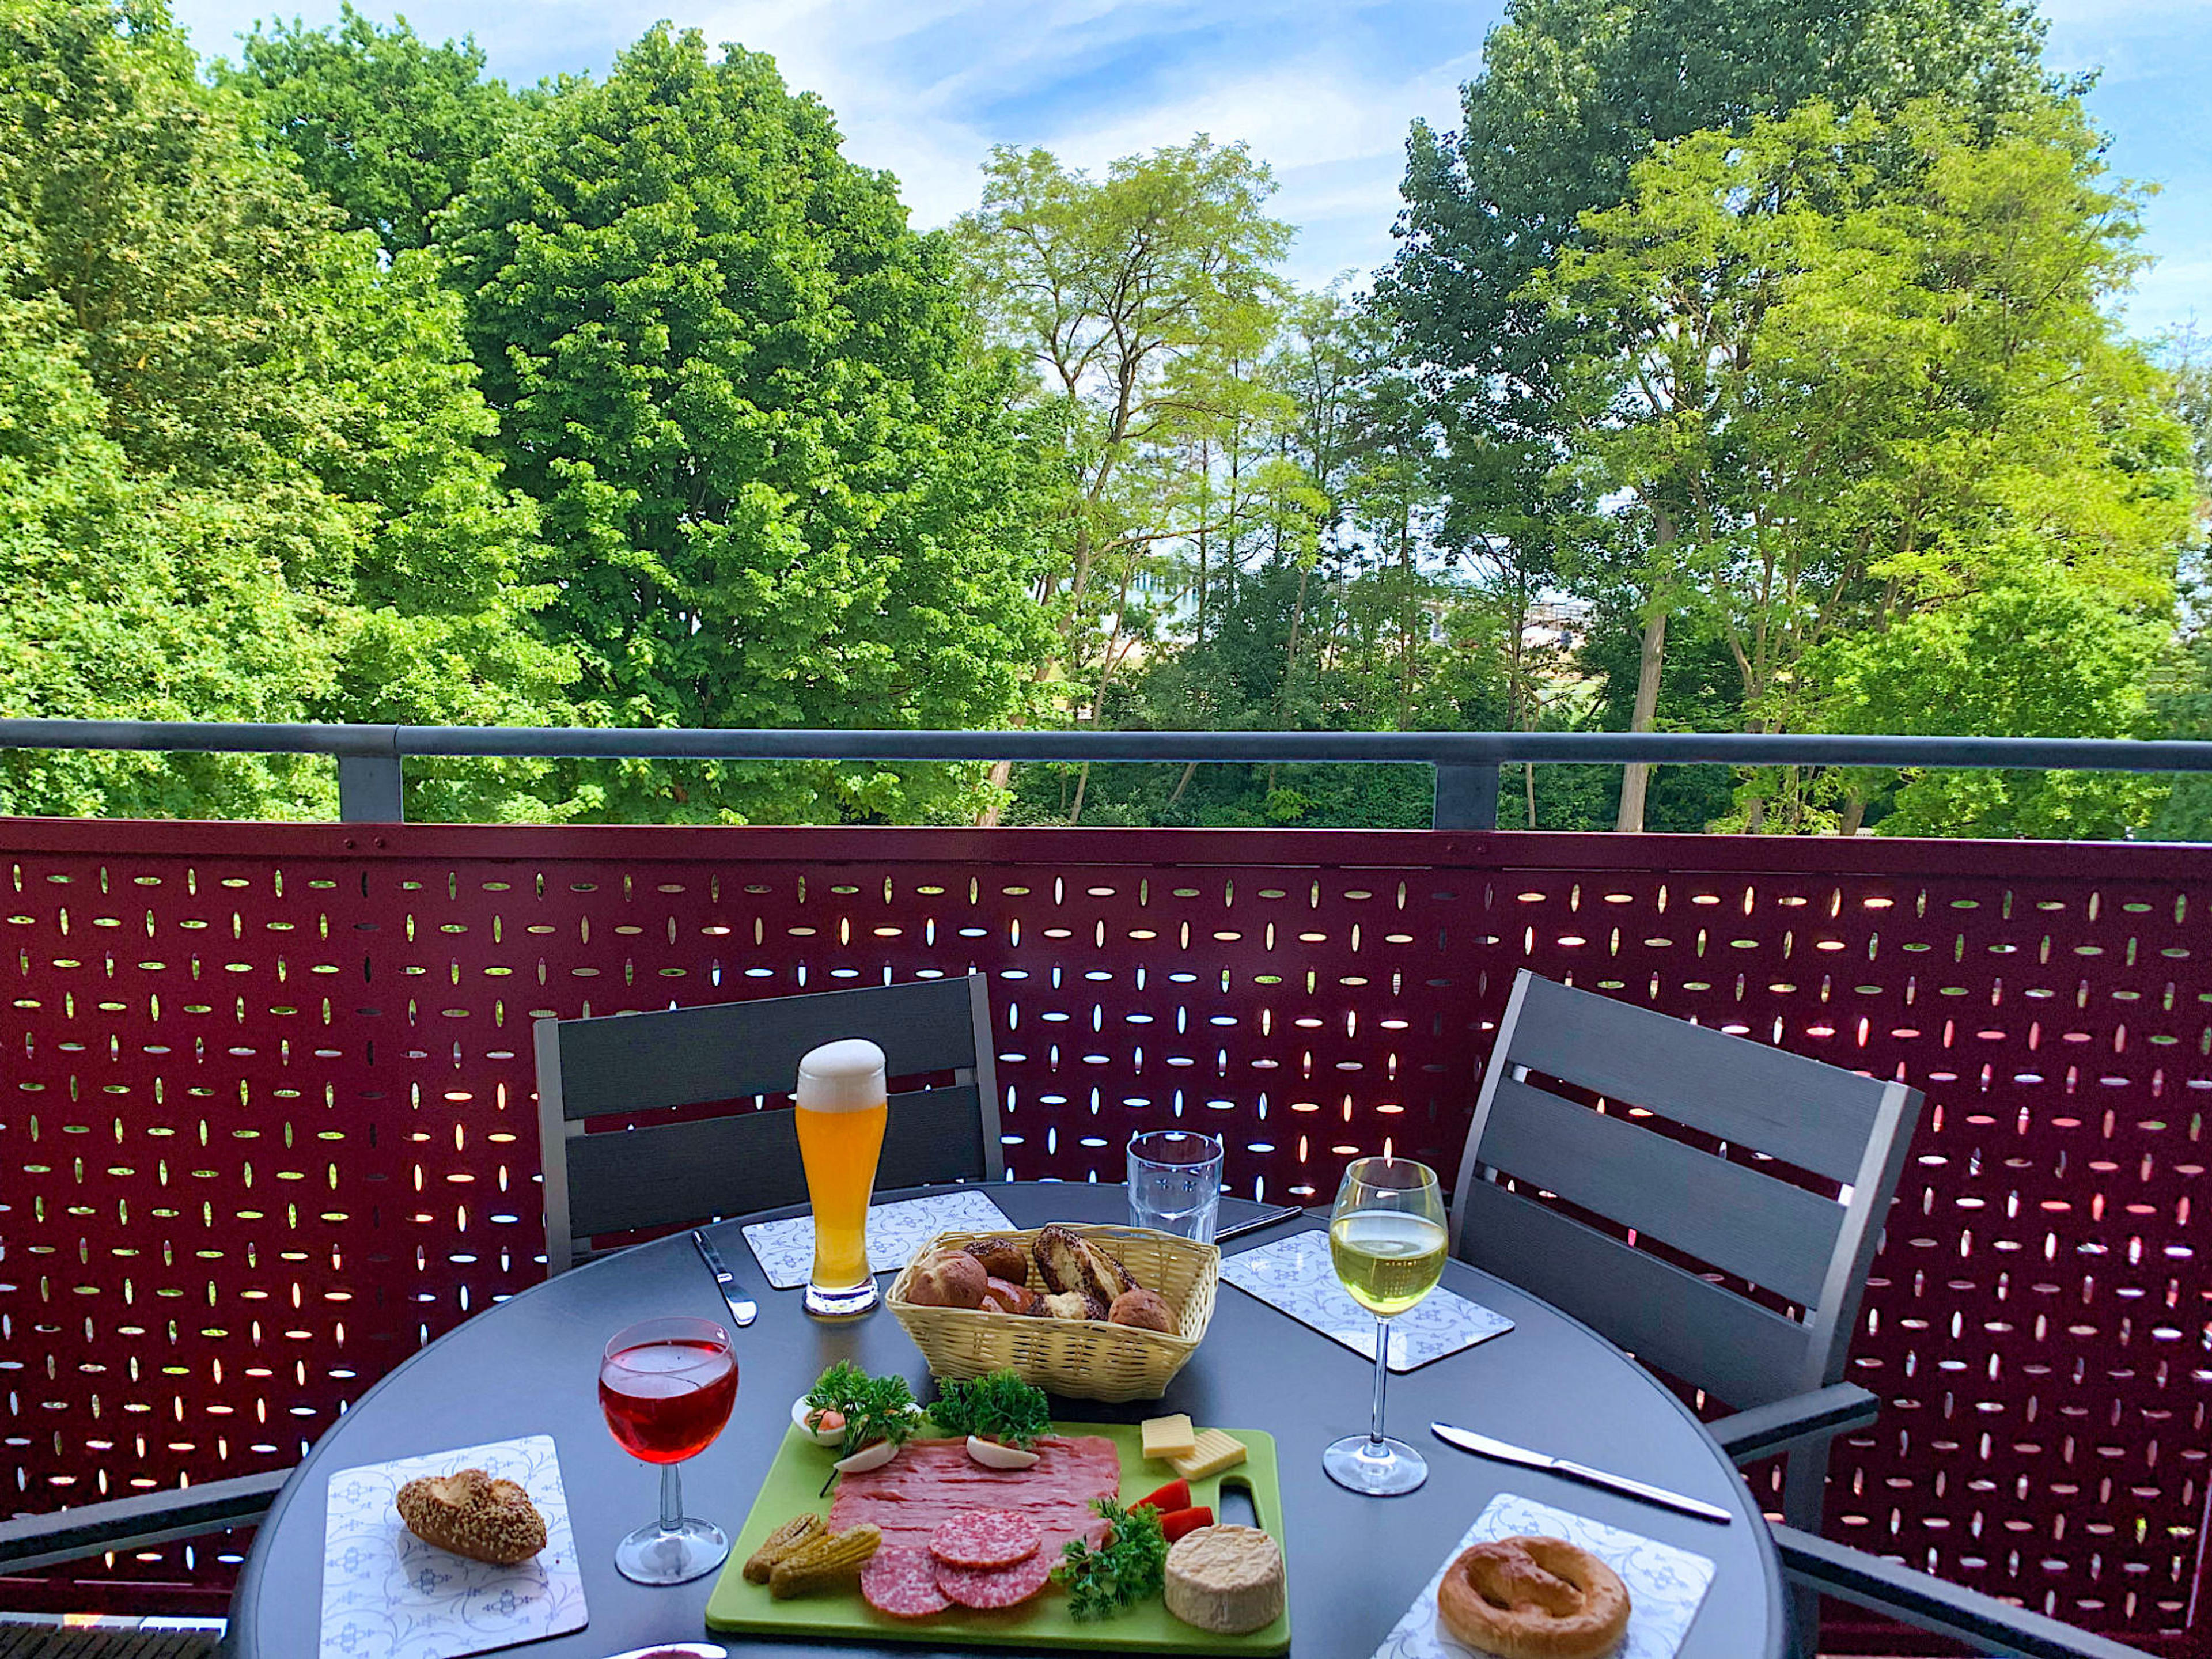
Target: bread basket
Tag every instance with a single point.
(1084, 1359)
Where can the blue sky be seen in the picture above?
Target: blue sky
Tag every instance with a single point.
(1322, 89)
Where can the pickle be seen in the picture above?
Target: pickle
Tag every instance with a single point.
(787, 1539)
(821, 1562)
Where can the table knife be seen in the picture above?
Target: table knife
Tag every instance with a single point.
(742, 1310)
(1253, 1224)
(1483, 1446)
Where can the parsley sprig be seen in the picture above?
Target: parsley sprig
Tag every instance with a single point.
(875, 1408)
(998, 1406)
(1131, 1566)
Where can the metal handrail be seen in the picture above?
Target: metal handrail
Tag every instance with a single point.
(1466, 763)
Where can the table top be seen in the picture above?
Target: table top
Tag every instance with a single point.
(530, 1364)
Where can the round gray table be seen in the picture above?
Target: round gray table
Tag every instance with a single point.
(530, 1366)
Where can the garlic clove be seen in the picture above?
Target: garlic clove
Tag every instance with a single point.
(993, 1455)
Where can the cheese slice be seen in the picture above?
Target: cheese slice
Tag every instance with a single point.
(1215, 1452)
(1169, 1436)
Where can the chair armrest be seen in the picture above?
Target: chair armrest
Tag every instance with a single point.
(1983, 1622)
(29, 1543)
(1814, 1415)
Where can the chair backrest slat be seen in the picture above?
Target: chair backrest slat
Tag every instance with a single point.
(1738, 1217)
(655, 1174)
(730, 1050)
(1800, 1111)
(652, 1174)
(1667, 1318)
(1742, 1222)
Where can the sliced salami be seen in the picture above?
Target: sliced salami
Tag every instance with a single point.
(985, 1539)
(902, 1581)
(995, 1587)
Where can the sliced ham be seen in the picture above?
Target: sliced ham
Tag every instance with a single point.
(931, 1481)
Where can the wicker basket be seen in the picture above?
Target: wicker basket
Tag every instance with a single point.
(1085, 1359)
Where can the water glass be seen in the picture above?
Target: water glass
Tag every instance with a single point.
(1175, 1182)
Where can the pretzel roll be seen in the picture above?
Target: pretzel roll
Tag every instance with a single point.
(1532, 1598)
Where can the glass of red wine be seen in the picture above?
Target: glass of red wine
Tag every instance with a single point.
(666, 1386)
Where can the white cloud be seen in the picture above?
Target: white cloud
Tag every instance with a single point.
(1323, 90)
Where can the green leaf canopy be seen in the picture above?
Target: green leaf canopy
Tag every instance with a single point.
(779, 492)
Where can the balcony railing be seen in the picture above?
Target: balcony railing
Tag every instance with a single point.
(266, 1122)
(370, 758)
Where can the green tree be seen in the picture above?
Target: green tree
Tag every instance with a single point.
(1572, 94)
(1852, 369)
(383, 125)
(274, 433)
(1141, 303)
(778, 489)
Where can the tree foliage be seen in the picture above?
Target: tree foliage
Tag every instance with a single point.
(1140, 303)
(778, 487)
(249, 484)
(383, 125)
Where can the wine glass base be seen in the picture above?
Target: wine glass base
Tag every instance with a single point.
(843, 1305)
(650, 1556)
(1389, 1469)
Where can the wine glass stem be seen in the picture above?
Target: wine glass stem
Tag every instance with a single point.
(1382, 1371)
(671, 1497)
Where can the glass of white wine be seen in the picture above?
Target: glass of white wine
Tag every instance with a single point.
(1386, 1238)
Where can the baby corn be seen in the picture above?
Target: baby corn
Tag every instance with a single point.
(785, 1541)
(831, 1559)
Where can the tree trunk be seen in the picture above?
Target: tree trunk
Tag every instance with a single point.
(1291, 649)
(1528, 788)
(1854, 814)
(999, 772)
(1082, 783)
(1636, 777)
(1182, 782)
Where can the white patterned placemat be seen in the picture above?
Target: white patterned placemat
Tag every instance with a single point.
(784, 1249)
(1666, 1585)
(1296, 1275)
(388, 1595)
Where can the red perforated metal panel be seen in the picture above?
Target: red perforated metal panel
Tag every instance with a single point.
(266, 1122)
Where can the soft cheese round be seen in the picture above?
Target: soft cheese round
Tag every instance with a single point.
(1225, 1579)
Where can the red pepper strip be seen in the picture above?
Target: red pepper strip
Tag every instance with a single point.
(1176, 1495)
(1174, 1524)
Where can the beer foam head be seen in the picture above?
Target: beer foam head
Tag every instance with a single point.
(846, 1076)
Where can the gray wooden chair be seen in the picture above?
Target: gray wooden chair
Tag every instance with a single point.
(29, 1543)
(653, 1175)
(1782, 1369)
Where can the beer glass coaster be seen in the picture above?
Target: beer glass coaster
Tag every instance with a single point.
(1666, 1585)
(388, 1595)
(784, 1249)
(1295, 1276)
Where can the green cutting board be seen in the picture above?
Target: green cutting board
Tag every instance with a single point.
(797, 1475)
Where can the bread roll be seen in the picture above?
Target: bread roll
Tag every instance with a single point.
(1009, 1297)
(1001, 1258)
(470, 1514)
(1146, 1310)
(948, 1280)
(1068, 1262)
(1073, 1304)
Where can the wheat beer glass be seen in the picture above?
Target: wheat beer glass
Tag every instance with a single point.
(842, 1107)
